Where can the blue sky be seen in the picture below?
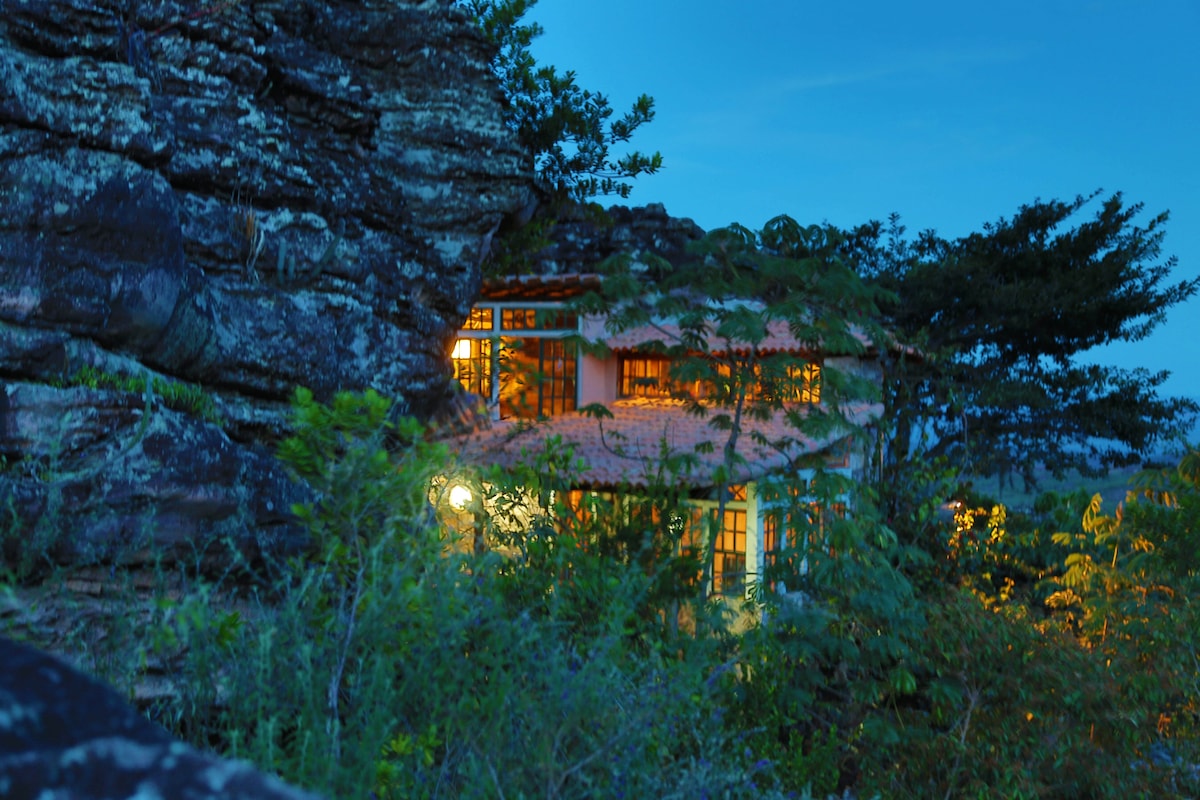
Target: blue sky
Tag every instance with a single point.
(950, 113)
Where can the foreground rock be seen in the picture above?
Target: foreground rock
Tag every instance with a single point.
(64, 735)
(202, 208)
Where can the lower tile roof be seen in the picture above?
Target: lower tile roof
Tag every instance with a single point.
(625, 449)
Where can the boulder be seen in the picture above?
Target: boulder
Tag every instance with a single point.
(64, 735)
(578, 237)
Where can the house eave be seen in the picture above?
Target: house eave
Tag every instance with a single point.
(628, 448)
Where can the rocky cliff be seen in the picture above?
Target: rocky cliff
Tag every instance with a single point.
(203, 206)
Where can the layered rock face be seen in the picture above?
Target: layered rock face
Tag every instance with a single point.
(65, 735)
(203, 206)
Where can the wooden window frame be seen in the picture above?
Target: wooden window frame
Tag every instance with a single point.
(555, 363)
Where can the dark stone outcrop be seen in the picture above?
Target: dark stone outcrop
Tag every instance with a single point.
(580, 237)
(65, 735)
(228, 199)
(205, 206)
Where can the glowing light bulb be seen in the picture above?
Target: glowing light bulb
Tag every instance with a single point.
(460, 496)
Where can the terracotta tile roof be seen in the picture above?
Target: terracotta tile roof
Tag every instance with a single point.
(559, 288)
(779, 338)
(539, 287)
(623, 449)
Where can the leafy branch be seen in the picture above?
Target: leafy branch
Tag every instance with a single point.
(568, 130)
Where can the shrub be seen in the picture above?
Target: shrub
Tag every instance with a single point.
(395, 661)
(1005, 708)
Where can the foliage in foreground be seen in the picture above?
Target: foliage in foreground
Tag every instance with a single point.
(394, 661)
(568, 130)
(1065, 664)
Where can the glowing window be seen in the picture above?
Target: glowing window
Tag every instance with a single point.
(650, 377)
(729, 543)
(729, 553)
(644, 377)
(472, 359)
(537, 319)
(480, 319)
(537, 377)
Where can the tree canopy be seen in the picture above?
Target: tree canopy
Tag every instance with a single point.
(1000, 318)
(568, 130)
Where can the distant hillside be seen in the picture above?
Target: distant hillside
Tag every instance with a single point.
(1112, 486)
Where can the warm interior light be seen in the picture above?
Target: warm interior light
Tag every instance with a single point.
(460, 496)
(462, 349)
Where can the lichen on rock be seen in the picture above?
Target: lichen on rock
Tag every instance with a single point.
(225, 197)
(65, 735)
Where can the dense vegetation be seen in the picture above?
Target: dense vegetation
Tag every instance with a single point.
(1046, 654)
(521, 647)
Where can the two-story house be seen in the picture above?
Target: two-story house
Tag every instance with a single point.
(519, 351)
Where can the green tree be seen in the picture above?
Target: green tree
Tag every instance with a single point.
(1127, 586)
(722, 306)
(816, 669)
(569, 131)
(1000, 318)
